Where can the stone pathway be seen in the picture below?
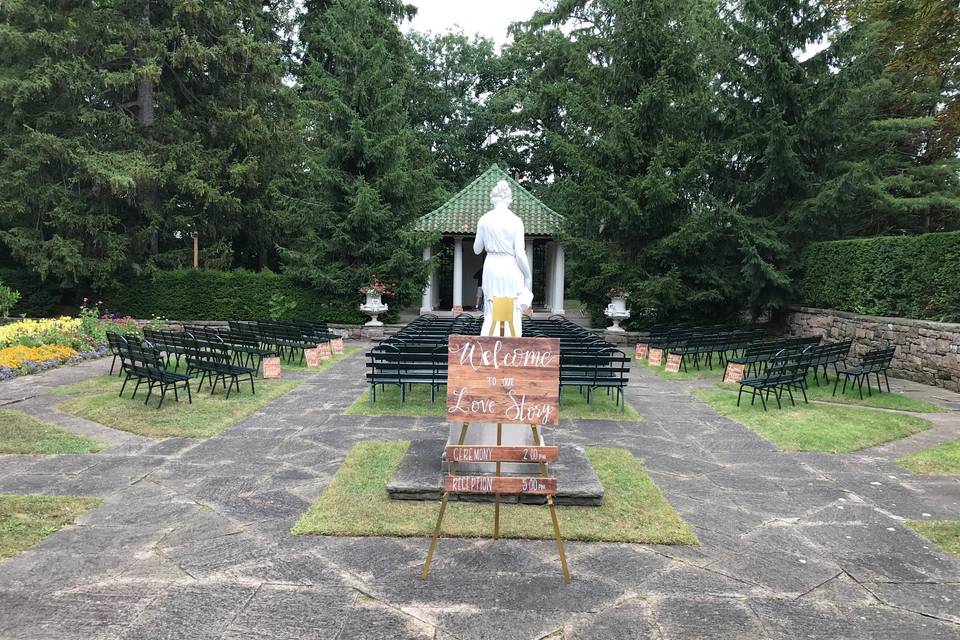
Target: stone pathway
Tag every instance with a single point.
(192, 540)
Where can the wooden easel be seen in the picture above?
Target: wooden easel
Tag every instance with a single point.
(503, 315)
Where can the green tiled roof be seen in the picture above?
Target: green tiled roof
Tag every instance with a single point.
(460, 213)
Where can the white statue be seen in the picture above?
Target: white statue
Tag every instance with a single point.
(506, 272)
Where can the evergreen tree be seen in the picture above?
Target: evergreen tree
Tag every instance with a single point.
(895, 166)
(453, 75)
(128, 124)
(366, 176)
(612, 103)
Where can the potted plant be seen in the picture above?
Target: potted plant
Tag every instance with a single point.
(376, 290)
(618, 298)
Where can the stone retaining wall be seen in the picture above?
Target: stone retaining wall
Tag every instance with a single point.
(927, 352)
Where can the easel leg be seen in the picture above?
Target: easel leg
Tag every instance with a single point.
(553, 516)
(443, 509)
(496, 497)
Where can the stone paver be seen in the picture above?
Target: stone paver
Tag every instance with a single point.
(192, 539)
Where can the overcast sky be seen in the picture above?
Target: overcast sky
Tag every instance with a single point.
(486, 17)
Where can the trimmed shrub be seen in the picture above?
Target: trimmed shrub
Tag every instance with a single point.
(38, 298)
(903, 276)
(191, 294)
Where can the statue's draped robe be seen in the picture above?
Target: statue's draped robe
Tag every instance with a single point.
(506, 273)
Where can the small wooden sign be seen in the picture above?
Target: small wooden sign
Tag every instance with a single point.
(733, 372)
(271, 368)
(640, 351)
(337, 345)
(503, 380)
(501, 454)
(313, 357)
(655, 357)
(673, 362)
(324, 349)
(500, 484)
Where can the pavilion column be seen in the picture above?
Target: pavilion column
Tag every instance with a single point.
(529, 248)
(548, 276)
(458, 273)
(426, 303)
(557, 302)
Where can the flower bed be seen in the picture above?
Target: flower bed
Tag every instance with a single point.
(37, 332)
(31, 346)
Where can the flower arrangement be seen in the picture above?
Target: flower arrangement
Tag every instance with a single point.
(618, 292)
(377, 287)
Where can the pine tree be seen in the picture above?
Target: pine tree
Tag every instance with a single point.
(128, 124)
(366, 175)
(895, 168)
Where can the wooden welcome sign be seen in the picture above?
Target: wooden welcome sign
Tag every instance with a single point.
(733, 372)
(313, 357)
(324, 349)
(271, 368)
(513, 380)
(337, 345)
(502, 380)
(673, 362)
(640, 351)
(655, 357)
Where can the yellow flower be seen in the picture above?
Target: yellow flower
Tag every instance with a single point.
(11, 333)
(15, 357)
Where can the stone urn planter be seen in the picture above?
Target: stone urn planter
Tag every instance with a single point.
(373, 307)
(617, 312)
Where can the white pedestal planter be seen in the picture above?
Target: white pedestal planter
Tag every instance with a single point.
(373, 308)
(617, 312)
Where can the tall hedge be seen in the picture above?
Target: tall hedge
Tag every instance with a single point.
(904, 276)
(190, 294)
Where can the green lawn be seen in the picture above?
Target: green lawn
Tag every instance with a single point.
(22, 433)
(296, 366)
(574, 405)
(942, 460)
(813, 427)
(96, 399)
(355, 503)
(885, 400)
(26, 520)
(945, 533)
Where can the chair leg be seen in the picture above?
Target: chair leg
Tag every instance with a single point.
(790, 393)
(887, 380)
(762, 401)
(739, 393)
(113, 362)
(253, 389)
(149, 391)
(124, 385)
(860, 388)
(877, 374)
(163, 394)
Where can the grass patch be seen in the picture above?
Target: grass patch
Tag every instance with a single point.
(942, 460)
(296, 366)
(26, 520)
(22, 433)
(814, 427)
(885, 400)
(97, 400)
(944, 533)
(355, 503)
(418, 404)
